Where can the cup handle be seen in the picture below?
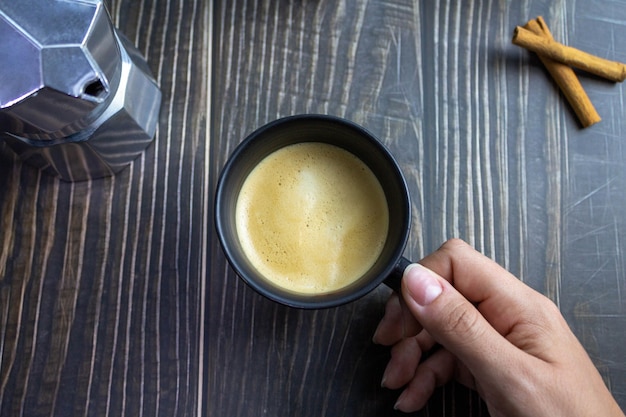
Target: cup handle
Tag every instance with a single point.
(394, 280)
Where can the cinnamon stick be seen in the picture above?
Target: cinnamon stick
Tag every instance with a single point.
(611, 70)
(566, 79)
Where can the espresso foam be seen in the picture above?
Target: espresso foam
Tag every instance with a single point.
(312, 218)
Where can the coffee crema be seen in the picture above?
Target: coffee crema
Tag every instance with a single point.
(312, 218)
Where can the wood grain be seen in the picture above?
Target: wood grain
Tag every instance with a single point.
(101, 281)
(115, 296)
(488, 148)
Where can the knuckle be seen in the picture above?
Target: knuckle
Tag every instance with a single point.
(462, 322)
(454, 244)
(550, 307)
(549, 314)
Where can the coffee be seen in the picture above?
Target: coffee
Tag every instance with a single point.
(312, 218)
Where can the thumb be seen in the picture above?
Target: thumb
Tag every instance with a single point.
(455, 323)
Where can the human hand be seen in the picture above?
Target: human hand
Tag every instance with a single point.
(490, 332)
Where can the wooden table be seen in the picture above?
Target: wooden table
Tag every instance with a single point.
(115, 297)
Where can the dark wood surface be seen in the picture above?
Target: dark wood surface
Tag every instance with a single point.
(102, 282)
(115, 296)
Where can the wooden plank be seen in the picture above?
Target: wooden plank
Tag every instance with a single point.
(486, 143)
(101, 281)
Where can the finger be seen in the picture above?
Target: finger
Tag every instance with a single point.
(456, 324)
(397, 323)
(499, 295)
(434, 372)
(405, 357)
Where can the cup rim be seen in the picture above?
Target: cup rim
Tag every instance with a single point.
(295, 299)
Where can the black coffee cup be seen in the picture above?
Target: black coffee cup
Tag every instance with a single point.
(389, 266)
